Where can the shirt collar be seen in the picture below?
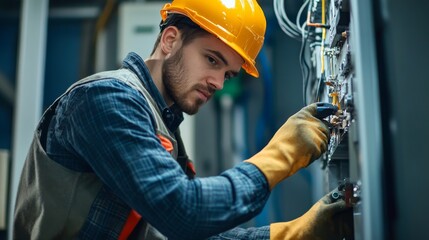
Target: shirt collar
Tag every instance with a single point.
(172, 116)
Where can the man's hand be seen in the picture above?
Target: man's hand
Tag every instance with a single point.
(328, 219)
(301, 140)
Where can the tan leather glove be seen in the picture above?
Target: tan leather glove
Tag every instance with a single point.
(325, 220)
(301, 140)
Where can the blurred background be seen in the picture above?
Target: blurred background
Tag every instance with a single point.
(45, 46)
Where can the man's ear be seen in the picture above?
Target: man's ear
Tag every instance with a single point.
(169, 39)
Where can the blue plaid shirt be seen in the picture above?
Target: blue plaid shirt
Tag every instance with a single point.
(107, 127)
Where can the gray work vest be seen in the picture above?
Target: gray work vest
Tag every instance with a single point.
(53, 201)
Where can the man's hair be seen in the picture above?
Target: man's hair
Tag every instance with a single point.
(188, 29)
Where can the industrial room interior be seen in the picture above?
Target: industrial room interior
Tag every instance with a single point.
(368, 57)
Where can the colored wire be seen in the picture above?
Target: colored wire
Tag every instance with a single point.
(318, 25)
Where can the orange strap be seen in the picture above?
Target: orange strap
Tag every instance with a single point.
(191, 167)
(166, 143)
(130, 224)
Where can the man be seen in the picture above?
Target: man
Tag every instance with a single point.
(107, 160)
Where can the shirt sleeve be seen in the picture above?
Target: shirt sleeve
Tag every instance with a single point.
(261, 233)
(109, 125)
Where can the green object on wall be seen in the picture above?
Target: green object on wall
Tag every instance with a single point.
(231, 87)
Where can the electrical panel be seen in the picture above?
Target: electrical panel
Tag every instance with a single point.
(330, 43)
(331, 79)
(334, 84)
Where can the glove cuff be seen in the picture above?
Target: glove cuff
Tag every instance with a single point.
(273, 171)
(284, 231)
(277, 165)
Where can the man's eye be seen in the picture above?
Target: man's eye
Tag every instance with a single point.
(211, 60)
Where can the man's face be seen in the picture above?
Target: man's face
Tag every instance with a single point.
(193, 73)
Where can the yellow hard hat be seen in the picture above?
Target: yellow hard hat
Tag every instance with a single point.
(240, 24)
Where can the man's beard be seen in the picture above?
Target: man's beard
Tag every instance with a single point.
(174, 78)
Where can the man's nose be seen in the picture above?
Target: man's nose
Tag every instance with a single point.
(216, 81)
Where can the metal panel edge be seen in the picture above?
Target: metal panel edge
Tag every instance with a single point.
(369, 117)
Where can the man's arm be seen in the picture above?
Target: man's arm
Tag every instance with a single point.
(110, 127)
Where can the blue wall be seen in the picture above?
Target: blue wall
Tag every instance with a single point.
(63, 52)
(62, 57)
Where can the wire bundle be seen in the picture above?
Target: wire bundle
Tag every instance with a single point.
(307, 33)
(294, 29)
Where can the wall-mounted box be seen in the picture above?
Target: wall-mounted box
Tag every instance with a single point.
(138, 28)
